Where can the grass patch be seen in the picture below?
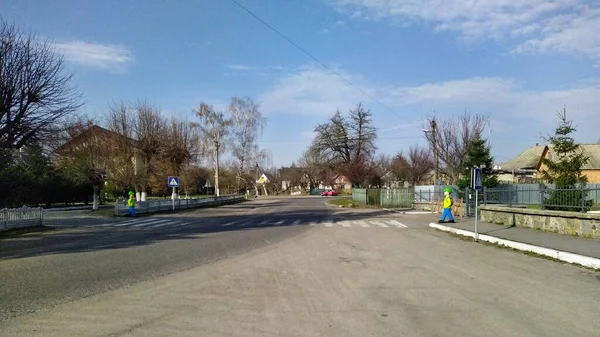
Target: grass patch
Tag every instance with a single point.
(345, 202)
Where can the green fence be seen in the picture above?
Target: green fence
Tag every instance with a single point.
(398, 197)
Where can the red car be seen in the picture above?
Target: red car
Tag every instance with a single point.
(330, 193)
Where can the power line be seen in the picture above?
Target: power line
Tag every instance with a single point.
(316, 59)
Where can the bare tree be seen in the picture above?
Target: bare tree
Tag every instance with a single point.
(125, 164)
(149, 132)
(180, 146)
(247, 126)
(34, 89)
(415, 166)
(348, 143)
(214, 128)
(314, 166)
(451, 140)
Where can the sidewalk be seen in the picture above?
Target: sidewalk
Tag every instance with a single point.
(559, 242)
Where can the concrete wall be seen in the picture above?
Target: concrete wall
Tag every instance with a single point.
(571, 223)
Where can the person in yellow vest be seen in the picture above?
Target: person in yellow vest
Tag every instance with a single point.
(131, 203)
(447, 212)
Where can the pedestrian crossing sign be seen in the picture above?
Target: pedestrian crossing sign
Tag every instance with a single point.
(263, 179)
(173, 181)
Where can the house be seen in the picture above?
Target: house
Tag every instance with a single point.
(96, 148)
(293, 178)
(527, 167)
(340, 182)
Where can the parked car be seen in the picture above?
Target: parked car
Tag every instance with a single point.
(330, 193)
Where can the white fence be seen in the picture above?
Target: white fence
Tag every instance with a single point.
(159, 205)
(20, 217)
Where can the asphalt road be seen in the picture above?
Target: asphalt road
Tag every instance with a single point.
(38, 271)
(285, 267)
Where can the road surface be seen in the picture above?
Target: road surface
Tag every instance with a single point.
(285, 267)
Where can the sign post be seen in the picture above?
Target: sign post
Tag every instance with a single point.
(174, 183)
(476, 184)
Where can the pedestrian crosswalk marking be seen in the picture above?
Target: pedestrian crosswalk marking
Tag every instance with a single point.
(156, 221)
(398, 224)
(363, 224)
(126, 223)
(163, 223)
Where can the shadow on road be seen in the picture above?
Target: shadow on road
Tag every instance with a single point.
(91, 239)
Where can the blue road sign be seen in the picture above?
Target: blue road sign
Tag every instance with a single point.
(173, 181)
(476, 179)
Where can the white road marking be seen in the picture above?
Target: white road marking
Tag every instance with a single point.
(397, 223)
(156, 221)
(127, 223)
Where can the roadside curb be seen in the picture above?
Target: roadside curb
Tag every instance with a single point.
(583, 260)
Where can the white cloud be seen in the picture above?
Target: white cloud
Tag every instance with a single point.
(317, 92)
(310, 92)
(536, 26)
(239, 67)
(102, 56)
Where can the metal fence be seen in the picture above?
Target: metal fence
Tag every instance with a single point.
(393, 197)
(160, 205)
(20, 217)
(546, 197)
(531, 194)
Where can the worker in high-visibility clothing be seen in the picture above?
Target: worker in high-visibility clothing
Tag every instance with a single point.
(131, 203)
(447, 212)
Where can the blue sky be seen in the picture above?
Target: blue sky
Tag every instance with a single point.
(517, 61)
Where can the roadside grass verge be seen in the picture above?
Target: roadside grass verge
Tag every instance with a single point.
(14, 232)
(344, 202)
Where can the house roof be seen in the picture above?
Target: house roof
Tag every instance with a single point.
(592, 151)
(287, 173)
(93, 130)
(526, 160)
(531, 158)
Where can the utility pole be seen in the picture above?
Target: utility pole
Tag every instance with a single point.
(217, 166)
(435, 153)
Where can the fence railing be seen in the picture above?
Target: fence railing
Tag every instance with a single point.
(560, 199)
(392, 197)
(11, 218)
(161, 205)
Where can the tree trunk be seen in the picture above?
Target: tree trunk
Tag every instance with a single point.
(96, 197)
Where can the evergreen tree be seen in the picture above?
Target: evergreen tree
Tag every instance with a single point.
(478, 155)
(565, 170)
